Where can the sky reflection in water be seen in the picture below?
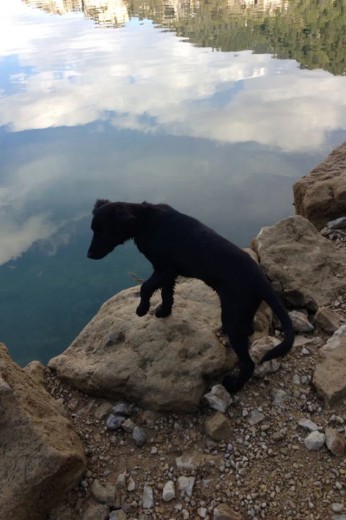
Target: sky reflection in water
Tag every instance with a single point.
(135, 113)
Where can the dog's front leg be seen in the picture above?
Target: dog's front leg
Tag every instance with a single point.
(147, 290)
(167, 295)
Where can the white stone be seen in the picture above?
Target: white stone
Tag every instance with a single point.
(278, 396)
(168, 491)
(148, 497)
(186, 484)
(308, 425)
(337, 507)
(314, 441)
(218, 398)
(131, 484)
(255, 417)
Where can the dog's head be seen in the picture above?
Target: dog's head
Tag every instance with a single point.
(112, 224)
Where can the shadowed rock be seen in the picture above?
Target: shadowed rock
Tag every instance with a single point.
(41, 456)
(303, 266)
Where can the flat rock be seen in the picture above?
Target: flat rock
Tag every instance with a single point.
(41, 456)
(162, 364)
(225, 512)
(305, 268)
(330, 374)
(219, 427)
(320, 196)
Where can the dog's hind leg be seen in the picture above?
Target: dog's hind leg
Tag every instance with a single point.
(233, 383)
(238, 327)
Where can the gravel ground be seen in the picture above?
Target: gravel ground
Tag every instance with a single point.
(261, 470)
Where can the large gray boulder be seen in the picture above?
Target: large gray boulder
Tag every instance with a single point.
(320, 196)
(330, 374)
(162, 364)
(40, 455)
(303, 266)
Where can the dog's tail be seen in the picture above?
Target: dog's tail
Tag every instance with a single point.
(279, 310)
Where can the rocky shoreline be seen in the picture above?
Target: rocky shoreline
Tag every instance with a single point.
(130, 423)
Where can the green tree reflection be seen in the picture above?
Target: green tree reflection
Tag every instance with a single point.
(313, 32)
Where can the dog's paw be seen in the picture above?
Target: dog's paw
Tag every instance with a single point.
(162, 312)
(142, 309)
(232, 384)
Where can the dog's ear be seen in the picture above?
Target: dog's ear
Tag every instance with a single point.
(99, 203)
(123, 213)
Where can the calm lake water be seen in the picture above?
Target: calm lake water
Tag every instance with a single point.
(215, 107)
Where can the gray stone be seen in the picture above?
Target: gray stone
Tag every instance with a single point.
(114, 422)
(138, 435)
(330, 374)
(128, 425)
(148, 497)
(219, 427)
(123, 409)
(218, 398)
(300, 322)
(257, 350)
(121, 481)
(278, 396)
(338, 223)
(186, 484)
(103, 494)
(225, 512)
(336, 442)
(131, 484)
(255, 417)
(160, 364)
(168, 492)
(308, 425)
(188, 461)
(314, 441)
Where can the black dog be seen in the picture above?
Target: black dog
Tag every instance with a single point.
(179, 245)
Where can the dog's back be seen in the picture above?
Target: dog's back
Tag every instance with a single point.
(170, 239)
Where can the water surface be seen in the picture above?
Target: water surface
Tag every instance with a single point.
(213, 107)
